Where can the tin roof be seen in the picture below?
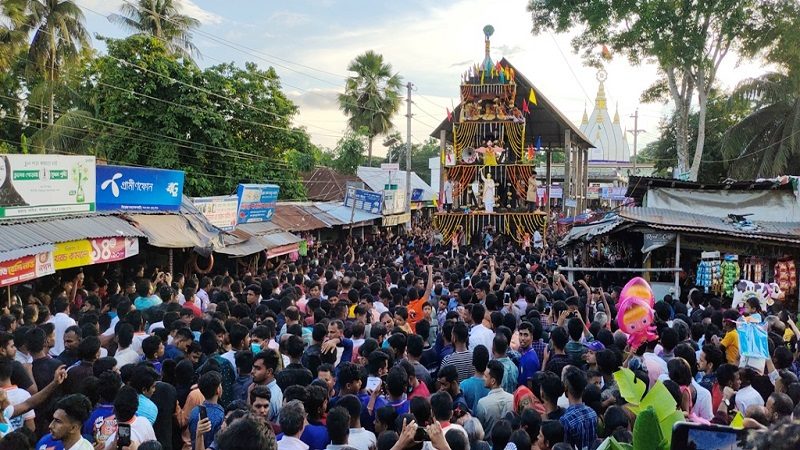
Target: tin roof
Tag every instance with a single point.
(325, 184)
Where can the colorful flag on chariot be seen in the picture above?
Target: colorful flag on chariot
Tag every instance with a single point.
(538, 143)
(532, 97)
(531, 152)
(525, 108)
(449, 115)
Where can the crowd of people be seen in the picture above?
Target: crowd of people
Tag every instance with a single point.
(388, 343)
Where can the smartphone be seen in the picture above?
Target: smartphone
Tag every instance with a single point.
(691, 435)
(203, 412)
(372, 383)
(507, 298)
(123, 435)
(421, 435)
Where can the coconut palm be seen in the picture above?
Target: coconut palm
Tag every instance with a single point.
(58, 37)
(12, 31)
(161, 19)
(371, 97)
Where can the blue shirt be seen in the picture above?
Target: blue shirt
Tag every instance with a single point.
(402, 407)
(315, 435)
(172, 352)
(510, 375)
(367, 419)
(474, 389)
(580, 426)
(215, 414)
(143, 303)
(147, 409)
(96, 421)
(48, 443)
(529, 363)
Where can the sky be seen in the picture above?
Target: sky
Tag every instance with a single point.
(311, 42)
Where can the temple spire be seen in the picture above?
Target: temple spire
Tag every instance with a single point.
(600, 100)
(585, 119)
(488, 30)
(616, 113)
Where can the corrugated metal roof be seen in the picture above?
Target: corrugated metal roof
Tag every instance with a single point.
(681, 221)
(343, 213)
(176, 231)
(376, 178)
(259, 228)
(587, 232)
(325, 184)
(292, 217)
(33, 234)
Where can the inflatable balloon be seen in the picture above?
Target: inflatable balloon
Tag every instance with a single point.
(635, 312)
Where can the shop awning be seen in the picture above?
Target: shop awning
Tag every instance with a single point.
(29, 237)
(175, 231)
(395, 219)
(252, 238)
(292, 217)
(343, 213)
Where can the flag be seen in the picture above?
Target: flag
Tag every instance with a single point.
(538, 143)
(532, 97)
(483, 72)
(531, 152)
(525, 108)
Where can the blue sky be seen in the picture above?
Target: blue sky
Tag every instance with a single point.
(310, 44)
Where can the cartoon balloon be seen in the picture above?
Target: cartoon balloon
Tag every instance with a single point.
(635, 312)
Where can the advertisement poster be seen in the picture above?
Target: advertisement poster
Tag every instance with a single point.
(72, 254)
(106, 250)
(365, 200)
(220, 211)
(256, 202)
(40, 185)
(26, 268)
(138, 189)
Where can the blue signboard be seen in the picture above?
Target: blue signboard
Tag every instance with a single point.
(256, 202)
(138, 188)
(367, 200)
(416, 195)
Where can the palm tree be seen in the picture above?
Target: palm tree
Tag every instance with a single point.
(161, 19)
(371, 97)
(58, 37)
(12, 34)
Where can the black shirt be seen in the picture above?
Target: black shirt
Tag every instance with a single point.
(165, 398)
(20, 376)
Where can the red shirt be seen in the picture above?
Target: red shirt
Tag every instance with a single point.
(420, 391)
(195, 309)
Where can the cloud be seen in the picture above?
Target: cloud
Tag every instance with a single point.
(507, 50)
(324, 99)
(288, 19)
(190, 8)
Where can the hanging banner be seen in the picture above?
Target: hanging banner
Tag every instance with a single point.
(67, 255)
(593, 191)
(26, 268)
(106, 250)
(40, 185)
(220, 211)
(138, 188)
(653, 241)
(365, 200)
(256, 202)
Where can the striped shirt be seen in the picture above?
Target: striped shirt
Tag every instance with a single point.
(463, 363)
(580, 426)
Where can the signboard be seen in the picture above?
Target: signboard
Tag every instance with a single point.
(106, 250)
(366, 200)
(394, 201)
(67, 255)
(256, 202)
(653, 241)
(570, 203)
(416, 195)
(390, 167)
(26, 268)
(39, 185)
(397, 219)
(593, 191)
(220, 211)
(555, 191)
(138, 188)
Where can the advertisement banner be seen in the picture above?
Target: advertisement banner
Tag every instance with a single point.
(138, 188)
(416, 195)
(365, 200)
(256, 202)
(593, 191)
(40, 185)
(106, 250)
(26, 268)
(220, 210)
(72, 254)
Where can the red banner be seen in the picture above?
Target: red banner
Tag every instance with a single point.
(26, 268)
(106, 250)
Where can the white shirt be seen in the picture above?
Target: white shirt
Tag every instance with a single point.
(15, 397)
(141, 431)
(480, 335)
(702, 407)
(126, 356)
(746, 397)
(23, 358)
(230, 356)
(362, 439)
(155, 326)
(138, 338)
(82, 444)
(204, 300)
(111, 326)
(291, 443)
(61, 322)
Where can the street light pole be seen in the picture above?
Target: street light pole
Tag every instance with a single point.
(408, 155)
(635, 133)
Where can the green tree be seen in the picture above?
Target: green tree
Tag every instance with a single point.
(161, 19)
(13, 35)
(58, 37)
(686, 40)
(766, 143)
(349, 153)
(722, 114)
(371, 97)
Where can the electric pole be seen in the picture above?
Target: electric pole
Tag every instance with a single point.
(408, 155)
(635, 133)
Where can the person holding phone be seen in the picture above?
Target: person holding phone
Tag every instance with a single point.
(125, 406)
(210, 385)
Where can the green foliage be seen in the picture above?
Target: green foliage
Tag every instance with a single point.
(647, 434)
(162, 19)
(349, 153)
(371, 97)
(722, 114)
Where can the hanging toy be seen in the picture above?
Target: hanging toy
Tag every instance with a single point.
(635, 312)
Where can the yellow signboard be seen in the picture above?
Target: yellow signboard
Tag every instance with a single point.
(72, 254)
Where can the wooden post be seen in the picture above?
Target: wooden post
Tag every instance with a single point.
(565, 188)
(586, 176)
(549, 176)
(442, 169)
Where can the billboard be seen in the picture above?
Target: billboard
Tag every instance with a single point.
(220, 210)
(40, 185)
(366, 200)
(138, 188)
(256, 202)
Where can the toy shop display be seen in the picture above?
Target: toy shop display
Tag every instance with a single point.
(730, 274)
(786, 275)
(709, 273)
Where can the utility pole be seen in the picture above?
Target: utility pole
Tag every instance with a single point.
(635, 133)
(408, 155)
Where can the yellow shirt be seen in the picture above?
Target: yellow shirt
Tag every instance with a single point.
(731, 344)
